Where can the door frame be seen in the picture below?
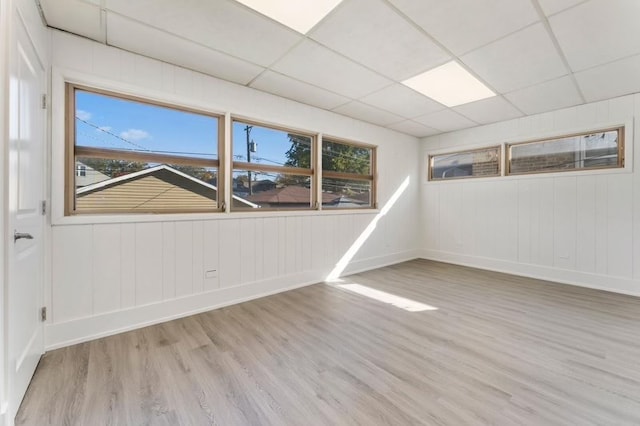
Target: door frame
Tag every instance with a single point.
(11, 14)
(6, 11)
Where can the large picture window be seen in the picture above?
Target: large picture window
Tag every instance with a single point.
(272, 168)
(593, 150)
(128, 155)
(348, 174)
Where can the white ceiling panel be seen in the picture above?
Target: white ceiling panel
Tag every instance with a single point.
(317, 65)
(548, 96)
(368, 113)
(489, 110)
(414, 128)
(554, 6)
(520, 60)
(446, 121)
(595, 33)
(403, 101)
(222, 24)
(354, 60)
(372, 33)
(148, 41)
(463, 25)
(75, 16)
(290, 88)
(614, 79)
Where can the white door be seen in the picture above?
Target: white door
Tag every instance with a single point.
(25, 252)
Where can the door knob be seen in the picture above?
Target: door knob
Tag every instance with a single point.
(18, 235)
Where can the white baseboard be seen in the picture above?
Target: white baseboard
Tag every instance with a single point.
(80, 330)
(563, 276)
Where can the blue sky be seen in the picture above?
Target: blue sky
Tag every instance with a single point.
(106, 122)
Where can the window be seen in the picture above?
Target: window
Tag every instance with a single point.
(594, 150)
(138, 156)
(348, 175)
(483, 162)
(272, 168)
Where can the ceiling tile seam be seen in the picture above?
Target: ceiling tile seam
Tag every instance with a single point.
(103, 22)
(179, 37)
(556, 45)
(303, 37)
(41, 13)
(441, 46)
(361, 99)
(573, 6)
(350, 99)
(260, 15)
(479, 123)
(622, 58)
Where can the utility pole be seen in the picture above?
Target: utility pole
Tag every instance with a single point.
(247, 129)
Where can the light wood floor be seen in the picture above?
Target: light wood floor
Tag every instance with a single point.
(499, 350)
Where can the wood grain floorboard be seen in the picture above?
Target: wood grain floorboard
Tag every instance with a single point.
(499, 350)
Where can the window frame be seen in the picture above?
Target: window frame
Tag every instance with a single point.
(257, 167)
(620, 129)
(373, 177)
(72, 152)
(431, 157)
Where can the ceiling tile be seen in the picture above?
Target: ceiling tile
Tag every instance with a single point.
(75, 16)
(598, 31)
(489, 110)
(414, 129)
(288, 87)
(368, 113)
(223, 25)
(148, 41)
(446, 121)
(463, 25)
(402, 101)
(321, 67)
(520, 60)
(551, 7)
(610, 80)
(548, 96)
(384, 41)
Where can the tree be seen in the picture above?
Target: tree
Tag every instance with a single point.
(113, 168)
(299, 155)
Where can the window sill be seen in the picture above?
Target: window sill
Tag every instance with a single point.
(179, 217)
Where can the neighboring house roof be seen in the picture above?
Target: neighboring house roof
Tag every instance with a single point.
(288, 195)
(154, 189)
(356, 200)
(86, 175)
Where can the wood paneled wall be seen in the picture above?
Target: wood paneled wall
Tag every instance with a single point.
(581, 228)
(113, 274)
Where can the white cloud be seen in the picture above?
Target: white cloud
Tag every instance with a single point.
(134, 135)
(103, 129)
(83, 115)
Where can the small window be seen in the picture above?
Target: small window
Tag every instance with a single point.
(272, 168)
(137, 156)
(348, 175)
(595, 150)
(484, 162)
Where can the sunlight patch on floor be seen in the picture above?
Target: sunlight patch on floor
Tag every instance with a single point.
(388, 298)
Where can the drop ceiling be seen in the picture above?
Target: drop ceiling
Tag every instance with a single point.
(536, 55)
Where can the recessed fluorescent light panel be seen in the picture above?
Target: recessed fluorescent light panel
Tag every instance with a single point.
(449, 84)
(301, 15)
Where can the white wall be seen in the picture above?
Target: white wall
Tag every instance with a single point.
(116, 273)
(581, 227)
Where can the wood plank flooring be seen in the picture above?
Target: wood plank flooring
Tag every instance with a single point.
(499, 350)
